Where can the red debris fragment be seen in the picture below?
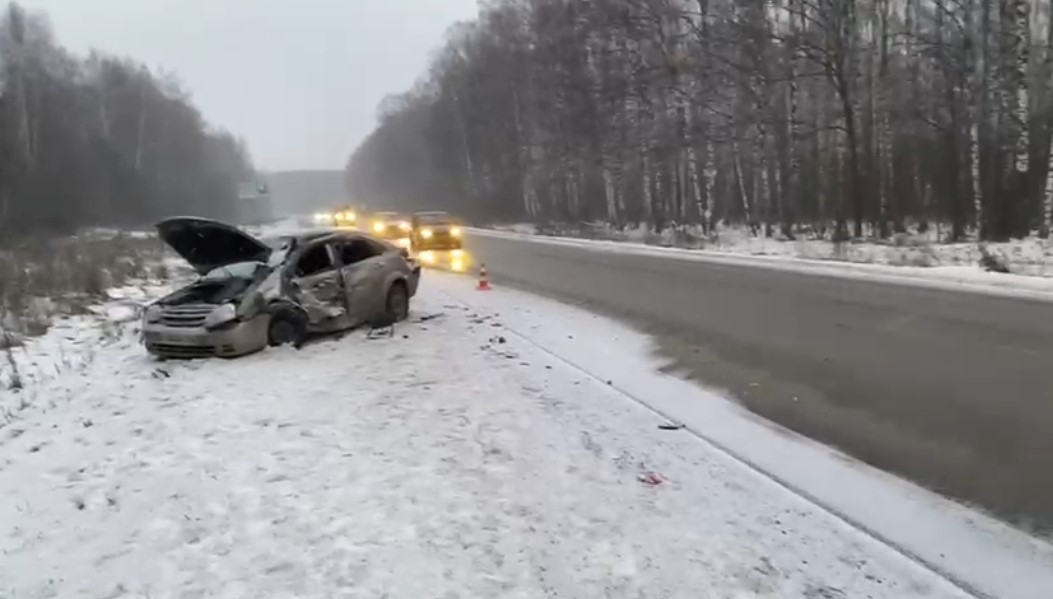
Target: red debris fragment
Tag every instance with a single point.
(650, 479)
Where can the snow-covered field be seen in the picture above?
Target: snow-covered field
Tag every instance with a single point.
(477, 452)
(942, 266)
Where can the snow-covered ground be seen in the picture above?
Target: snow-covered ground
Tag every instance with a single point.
(948, 266)
(477, 452)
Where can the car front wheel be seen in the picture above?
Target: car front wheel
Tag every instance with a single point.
(398, 302)
(286, 328)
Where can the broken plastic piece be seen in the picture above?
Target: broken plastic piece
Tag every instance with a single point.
(650, 479)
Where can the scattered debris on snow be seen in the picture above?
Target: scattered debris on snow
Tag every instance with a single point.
(398, 469)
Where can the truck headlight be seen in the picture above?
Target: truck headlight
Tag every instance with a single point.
(221, 316)
(456, 231)
(427, 233)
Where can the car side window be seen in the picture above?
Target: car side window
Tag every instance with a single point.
(357, 250)
(314, 261)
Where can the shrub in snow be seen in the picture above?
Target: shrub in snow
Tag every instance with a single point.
(991, 262)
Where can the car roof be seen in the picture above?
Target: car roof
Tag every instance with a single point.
(332, 234)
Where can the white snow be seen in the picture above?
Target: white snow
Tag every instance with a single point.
(963, 277)
(980, 553)
(438, 462)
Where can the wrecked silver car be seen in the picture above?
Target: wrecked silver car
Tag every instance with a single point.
(252, 294)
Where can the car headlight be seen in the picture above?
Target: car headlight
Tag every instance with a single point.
(222, 315)
(350, 216)
(427, 233)
(427, 257)
(322, 216)
(404, 226)
(456, 231)
(152, 314)
(379, 227)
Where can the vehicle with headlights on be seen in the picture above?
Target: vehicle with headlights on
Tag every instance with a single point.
(252, 293)
(437, 240)
(393, 227)
(436, 231)
(345, 216)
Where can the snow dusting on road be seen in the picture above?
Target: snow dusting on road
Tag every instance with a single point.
(449, 459)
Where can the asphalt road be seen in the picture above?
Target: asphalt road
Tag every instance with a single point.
(953, 390)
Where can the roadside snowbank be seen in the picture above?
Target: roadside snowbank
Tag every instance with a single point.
(449, 459)
(957, 278)
(1032, 256)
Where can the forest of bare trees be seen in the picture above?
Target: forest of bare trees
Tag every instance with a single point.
(850, 116)
(101, 141)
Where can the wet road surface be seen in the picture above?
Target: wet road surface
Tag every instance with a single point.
(953, 390)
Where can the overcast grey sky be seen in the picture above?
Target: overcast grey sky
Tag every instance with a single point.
(298, 79)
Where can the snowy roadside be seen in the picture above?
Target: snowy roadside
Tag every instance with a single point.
(70, 344)
(820, 258)
(452, 459)
(979, 552)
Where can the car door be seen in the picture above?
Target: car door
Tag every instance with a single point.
(319, 288)
(362, 267)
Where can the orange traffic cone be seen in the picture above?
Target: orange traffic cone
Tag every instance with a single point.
(484, 279)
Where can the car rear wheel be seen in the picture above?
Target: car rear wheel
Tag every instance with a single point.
(286, 328)
(398, 302)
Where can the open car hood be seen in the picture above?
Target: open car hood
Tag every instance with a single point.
(208, 244)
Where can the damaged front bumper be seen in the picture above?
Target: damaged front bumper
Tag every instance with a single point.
(237, 339)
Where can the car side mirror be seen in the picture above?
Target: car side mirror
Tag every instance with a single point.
(404, 252)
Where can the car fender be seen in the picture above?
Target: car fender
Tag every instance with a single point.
(389, 281)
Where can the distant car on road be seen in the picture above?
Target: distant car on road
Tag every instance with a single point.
(343, 216)
(392, 227)
(436, 231)
(437, 240)
(252, 294)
